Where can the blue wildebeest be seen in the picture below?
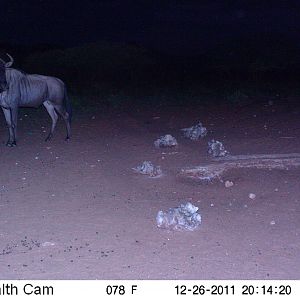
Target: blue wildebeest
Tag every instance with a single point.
(18, 89)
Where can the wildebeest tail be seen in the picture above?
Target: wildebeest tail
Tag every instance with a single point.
(68, 105)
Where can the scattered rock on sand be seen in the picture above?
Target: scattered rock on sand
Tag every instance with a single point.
(184, 217)
(228, 183)
(195, 132)
(165, 141)
(252, 196)
(147, 168)
(48, 244)
(216, 149)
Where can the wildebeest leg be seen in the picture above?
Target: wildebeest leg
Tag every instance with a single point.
(11, 127)
(62, 111)
(14, 118)
(54, 117)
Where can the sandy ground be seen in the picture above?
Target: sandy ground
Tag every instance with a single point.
(76, 210)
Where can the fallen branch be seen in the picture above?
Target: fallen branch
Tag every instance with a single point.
(261, 161)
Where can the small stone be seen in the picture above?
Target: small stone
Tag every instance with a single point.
(272, 222)
(195, 132)
(216, 149)
(252, 196)
(228, 183)
(165, 141)
(47, 244)
(147, 168)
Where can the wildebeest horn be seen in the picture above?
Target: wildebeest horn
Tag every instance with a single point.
(2, 61)
(9, 64)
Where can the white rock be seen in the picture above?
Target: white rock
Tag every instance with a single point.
(228, 183)
(252, 196)
(147, 168)
(47, 244)
(184, 217)
(165, 141)
(195, 132)
(216, 149)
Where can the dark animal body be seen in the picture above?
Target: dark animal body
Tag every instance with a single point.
(18, 89)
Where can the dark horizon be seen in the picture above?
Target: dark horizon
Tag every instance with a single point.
(180, 28)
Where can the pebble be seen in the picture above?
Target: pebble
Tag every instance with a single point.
(47, 244)
(228, 183)
(272, 222)
(252, 196)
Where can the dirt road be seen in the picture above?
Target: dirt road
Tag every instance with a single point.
(76, 210)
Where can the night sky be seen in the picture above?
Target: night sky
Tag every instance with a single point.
(176, 27)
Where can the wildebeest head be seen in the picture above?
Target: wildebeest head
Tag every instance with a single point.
(3, 66)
